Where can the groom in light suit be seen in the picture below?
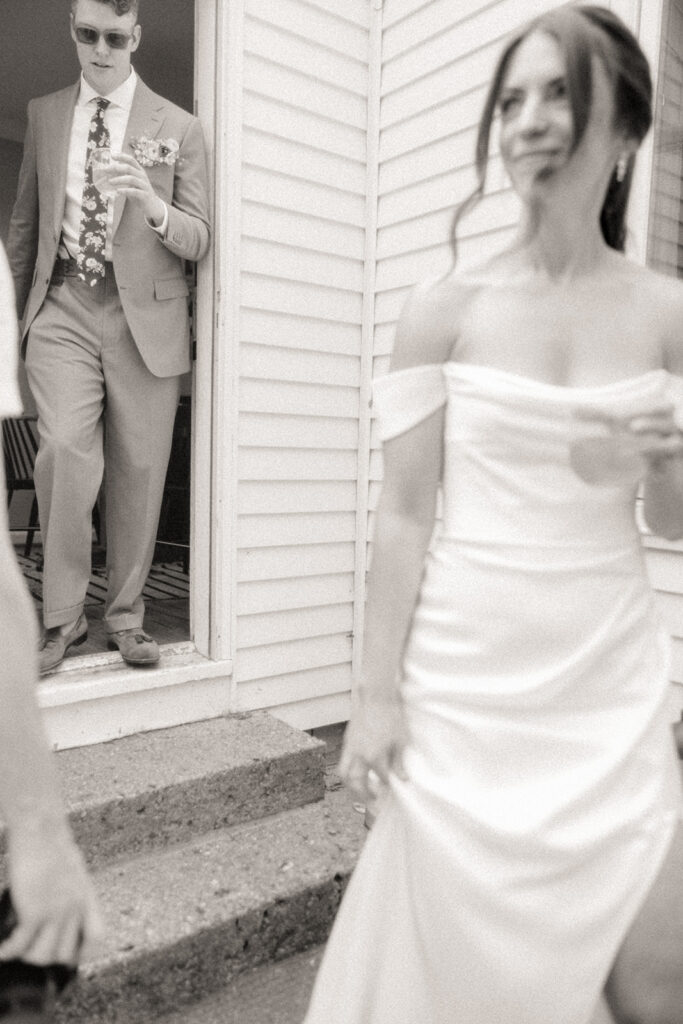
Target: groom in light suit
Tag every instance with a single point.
(102, 293)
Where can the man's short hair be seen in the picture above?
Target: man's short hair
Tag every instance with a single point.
(120, 7)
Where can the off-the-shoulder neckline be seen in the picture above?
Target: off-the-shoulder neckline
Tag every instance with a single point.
(455, 367)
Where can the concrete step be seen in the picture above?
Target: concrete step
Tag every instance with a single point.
(184, 922)
(277, 993)
(154, 789)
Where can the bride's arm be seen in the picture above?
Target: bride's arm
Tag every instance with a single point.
(403, 528)
(376, 735)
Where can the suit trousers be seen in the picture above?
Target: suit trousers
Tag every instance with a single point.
(100, 411)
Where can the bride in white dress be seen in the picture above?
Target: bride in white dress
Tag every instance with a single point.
(526, 864)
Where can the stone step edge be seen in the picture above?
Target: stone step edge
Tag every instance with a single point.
(187, 921)
(278, 991)
(158, 788)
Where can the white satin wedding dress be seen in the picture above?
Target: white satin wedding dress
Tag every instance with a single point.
(498, 882)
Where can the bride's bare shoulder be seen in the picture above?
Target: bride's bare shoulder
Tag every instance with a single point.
(429, 324)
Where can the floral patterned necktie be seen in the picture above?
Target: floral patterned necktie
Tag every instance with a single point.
(93, 227)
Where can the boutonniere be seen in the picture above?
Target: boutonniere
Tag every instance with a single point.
(152, 152)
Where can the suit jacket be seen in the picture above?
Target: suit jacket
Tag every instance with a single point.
(149, 269)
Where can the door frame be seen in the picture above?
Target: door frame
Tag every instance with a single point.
(98, 697)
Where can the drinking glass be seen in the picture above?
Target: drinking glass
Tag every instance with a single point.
(607, 460)
(103, 169)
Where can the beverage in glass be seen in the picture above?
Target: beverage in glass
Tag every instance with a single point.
(607, 460)
(102, 171)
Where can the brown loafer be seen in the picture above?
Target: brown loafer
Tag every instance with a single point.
(54, 644)
(136, 647)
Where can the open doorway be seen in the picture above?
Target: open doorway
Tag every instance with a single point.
(37, 57)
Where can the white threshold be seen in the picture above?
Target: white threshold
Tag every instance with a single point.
(98, 697)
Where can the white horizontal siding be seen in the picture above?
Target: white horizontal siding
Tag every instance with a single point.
(271, 327)
(411, 155)
(275, 530)
(290, 124)
(436, 87)
(304, 699)
(291, 364)
(318, 234)
(306, 685)
(325, 28)
(457, 38)
(297, 464)
(271, 396)
(268, 628)
(422, 196)
(291, 657)
(444, 165)
(298, 264)
(297, 88)
(355, 11)
(289, 431)
(283, 295)
(304, 216)
(299, 178)
(257, 496)
(290, 561)
(412, 15)
(258, 597)
(272, 42)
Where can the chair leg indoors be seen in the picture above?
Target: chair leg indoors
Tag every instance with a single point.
(32, 527)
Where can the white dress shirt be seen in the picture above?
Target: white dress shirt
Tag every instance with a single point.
(116, 120)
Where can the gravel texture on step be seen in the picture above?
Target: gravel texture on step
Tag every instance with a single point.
(184, 922)
(150, 790)
(277, 993)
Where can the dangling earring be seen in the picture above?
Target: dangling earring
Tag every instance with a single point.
(622, 166)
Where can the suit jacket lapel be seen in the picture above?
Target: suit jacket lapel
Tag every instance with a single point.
(146, 117)
(60, 129)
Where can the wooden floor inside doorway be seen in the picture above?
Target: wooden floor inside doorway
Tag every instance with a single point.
(166, 596)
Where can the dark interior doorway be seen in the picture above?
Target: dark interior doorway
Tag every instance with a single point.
(37, 57)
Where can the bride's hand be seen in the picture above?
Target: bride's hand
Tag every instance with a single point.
(655, 435)
(374, 742)
(658, 434)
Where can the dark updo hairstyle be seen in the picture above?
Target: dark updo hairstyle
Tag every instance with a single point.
(582, 33)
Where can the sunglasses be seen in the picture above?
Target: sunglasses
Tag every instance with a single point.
(90, 37)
